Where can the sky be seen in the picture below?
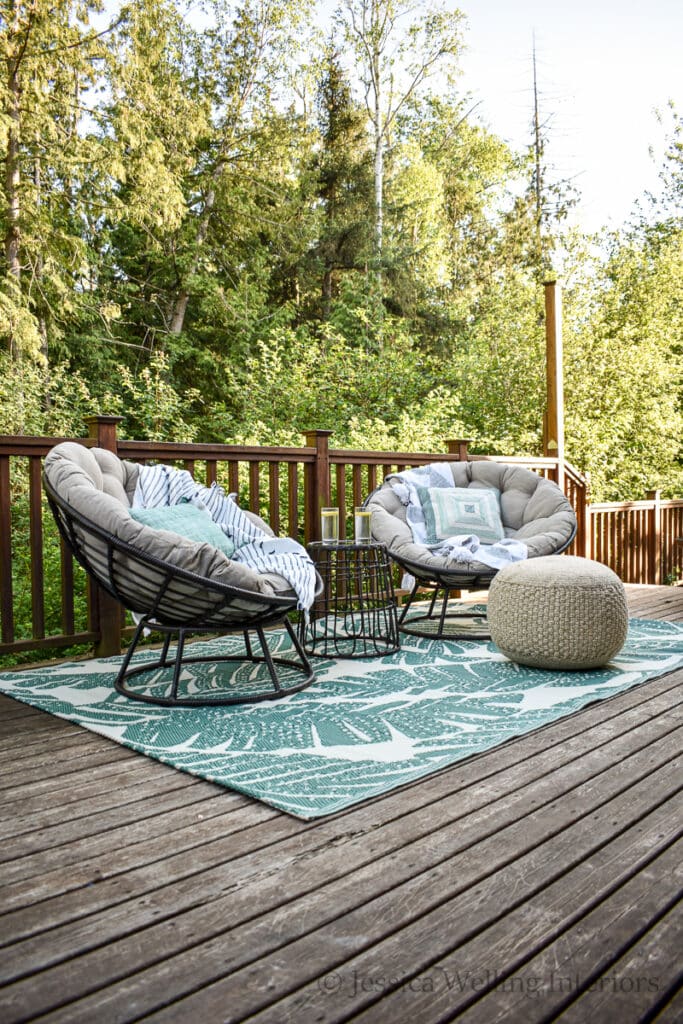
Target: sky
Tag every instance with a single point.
(603, 68)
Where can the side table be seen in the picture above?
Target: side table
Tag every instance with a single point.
(355, 614)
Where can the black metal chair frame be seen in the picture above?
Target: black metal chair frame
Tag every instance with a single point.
(158, 614)
(431, 578)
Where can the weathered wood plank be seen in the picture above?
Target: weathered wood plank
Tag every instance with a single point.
(111, 790)
(25, 745)
(99, 824)
(652, 965)
(532, 821)
(36, 878)
(583, 966)
(443, 907)
(39, 772)
(655, 602)
(670, 1008)
(255, 940)
(78, 783)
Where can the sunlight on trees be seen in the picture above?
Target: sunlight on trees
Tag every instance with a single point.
(245, 225)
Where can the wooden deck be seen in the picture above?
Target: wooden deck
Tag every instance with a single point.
(535, 882)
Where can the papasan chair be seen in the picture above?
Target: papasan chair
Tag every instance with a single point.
(532, 510)
(174, 585)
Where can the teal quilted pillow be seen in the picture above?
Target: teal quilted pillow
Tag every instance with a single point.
(186, 520)
(453, 511)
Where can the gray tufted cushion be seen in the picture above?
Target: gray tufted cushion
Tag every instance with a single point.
(533, 510)
(101, 486)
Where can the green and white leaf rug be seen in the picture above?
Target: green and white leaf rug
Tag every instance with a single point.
(362, 727)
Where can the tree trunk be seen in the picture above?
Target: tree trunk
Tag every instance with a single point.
(327, 290)
(179, 311)
(12, 176)
(379, 169)
(183, 296)
(12, 183)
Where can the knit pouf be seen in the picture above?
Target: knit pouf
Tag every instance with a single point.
(558, 612)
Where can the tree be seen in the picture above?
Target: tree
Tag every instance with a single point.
(449, 180)
(155, 123)
(671, 175)
(51, 60)
(623, 343)
(243, 58)
(395, 57)
(344, 179)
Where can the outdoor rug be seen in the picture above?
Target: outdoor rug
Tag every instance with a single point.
(362, 728)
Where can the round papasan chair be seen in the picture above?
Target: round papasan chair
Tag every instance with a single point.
(174, 585)
(533, 510)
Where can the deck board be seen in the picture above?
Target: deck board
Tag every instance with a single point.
(131, 891)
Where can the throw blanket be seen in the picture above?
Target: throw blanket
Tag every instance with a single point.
(469, 549)
(466, 548)
(163, 485)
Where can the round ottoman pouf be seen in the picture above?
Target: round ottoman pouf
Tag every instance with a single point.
(558, 612)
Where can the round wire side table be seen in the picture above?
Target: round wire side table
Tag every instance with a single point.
(355, 614)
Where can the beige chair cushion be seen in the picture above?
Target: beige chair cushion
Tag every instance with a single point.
(101, 486)
(533, 510)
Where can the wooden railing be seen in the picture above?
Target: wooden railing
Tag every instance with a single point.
(46, 602)
(642, 541)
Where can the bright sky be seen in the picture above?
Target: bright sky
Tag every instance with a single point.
(603, 67)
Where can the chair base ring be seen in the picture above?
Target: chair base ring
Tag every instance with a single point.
(442, 632)
(177, 663)
(441, 620)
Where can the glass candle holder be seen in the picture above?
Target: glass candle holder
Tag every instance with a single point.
(329, 525)
(361, 526)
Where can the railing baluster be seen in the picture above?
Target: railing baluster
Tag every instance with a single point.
(233, 477)
(67, 589)
(274, 495)
(7, 593)
(36, 541)
(293, 500)
(254, 486)
(357, 485)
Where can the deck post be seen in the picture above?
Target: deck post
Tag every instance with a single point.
(103, 430)
(104, 612)
(316, 482)
(459, 447)
(655, 537)
(6, 582)
(553, 422)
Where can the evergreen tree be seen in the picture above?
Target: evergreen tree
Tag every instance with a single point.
(344, 181)
(52, 58)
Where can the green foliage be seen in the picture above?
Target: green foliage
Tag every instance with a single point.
(190, 225)
(150, 405)
(623, 364)
(35, 400)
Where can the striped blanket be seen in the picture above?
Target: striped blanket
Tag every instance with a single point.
(163, 485)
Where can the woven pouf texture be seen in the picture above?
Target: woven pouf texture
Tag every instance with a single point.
(558, 612)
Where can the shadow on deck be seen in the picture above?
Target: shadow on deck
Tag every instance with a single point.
(536, 882)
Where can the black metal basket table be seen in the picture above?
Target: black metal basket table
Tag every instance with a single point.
(355, 614)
